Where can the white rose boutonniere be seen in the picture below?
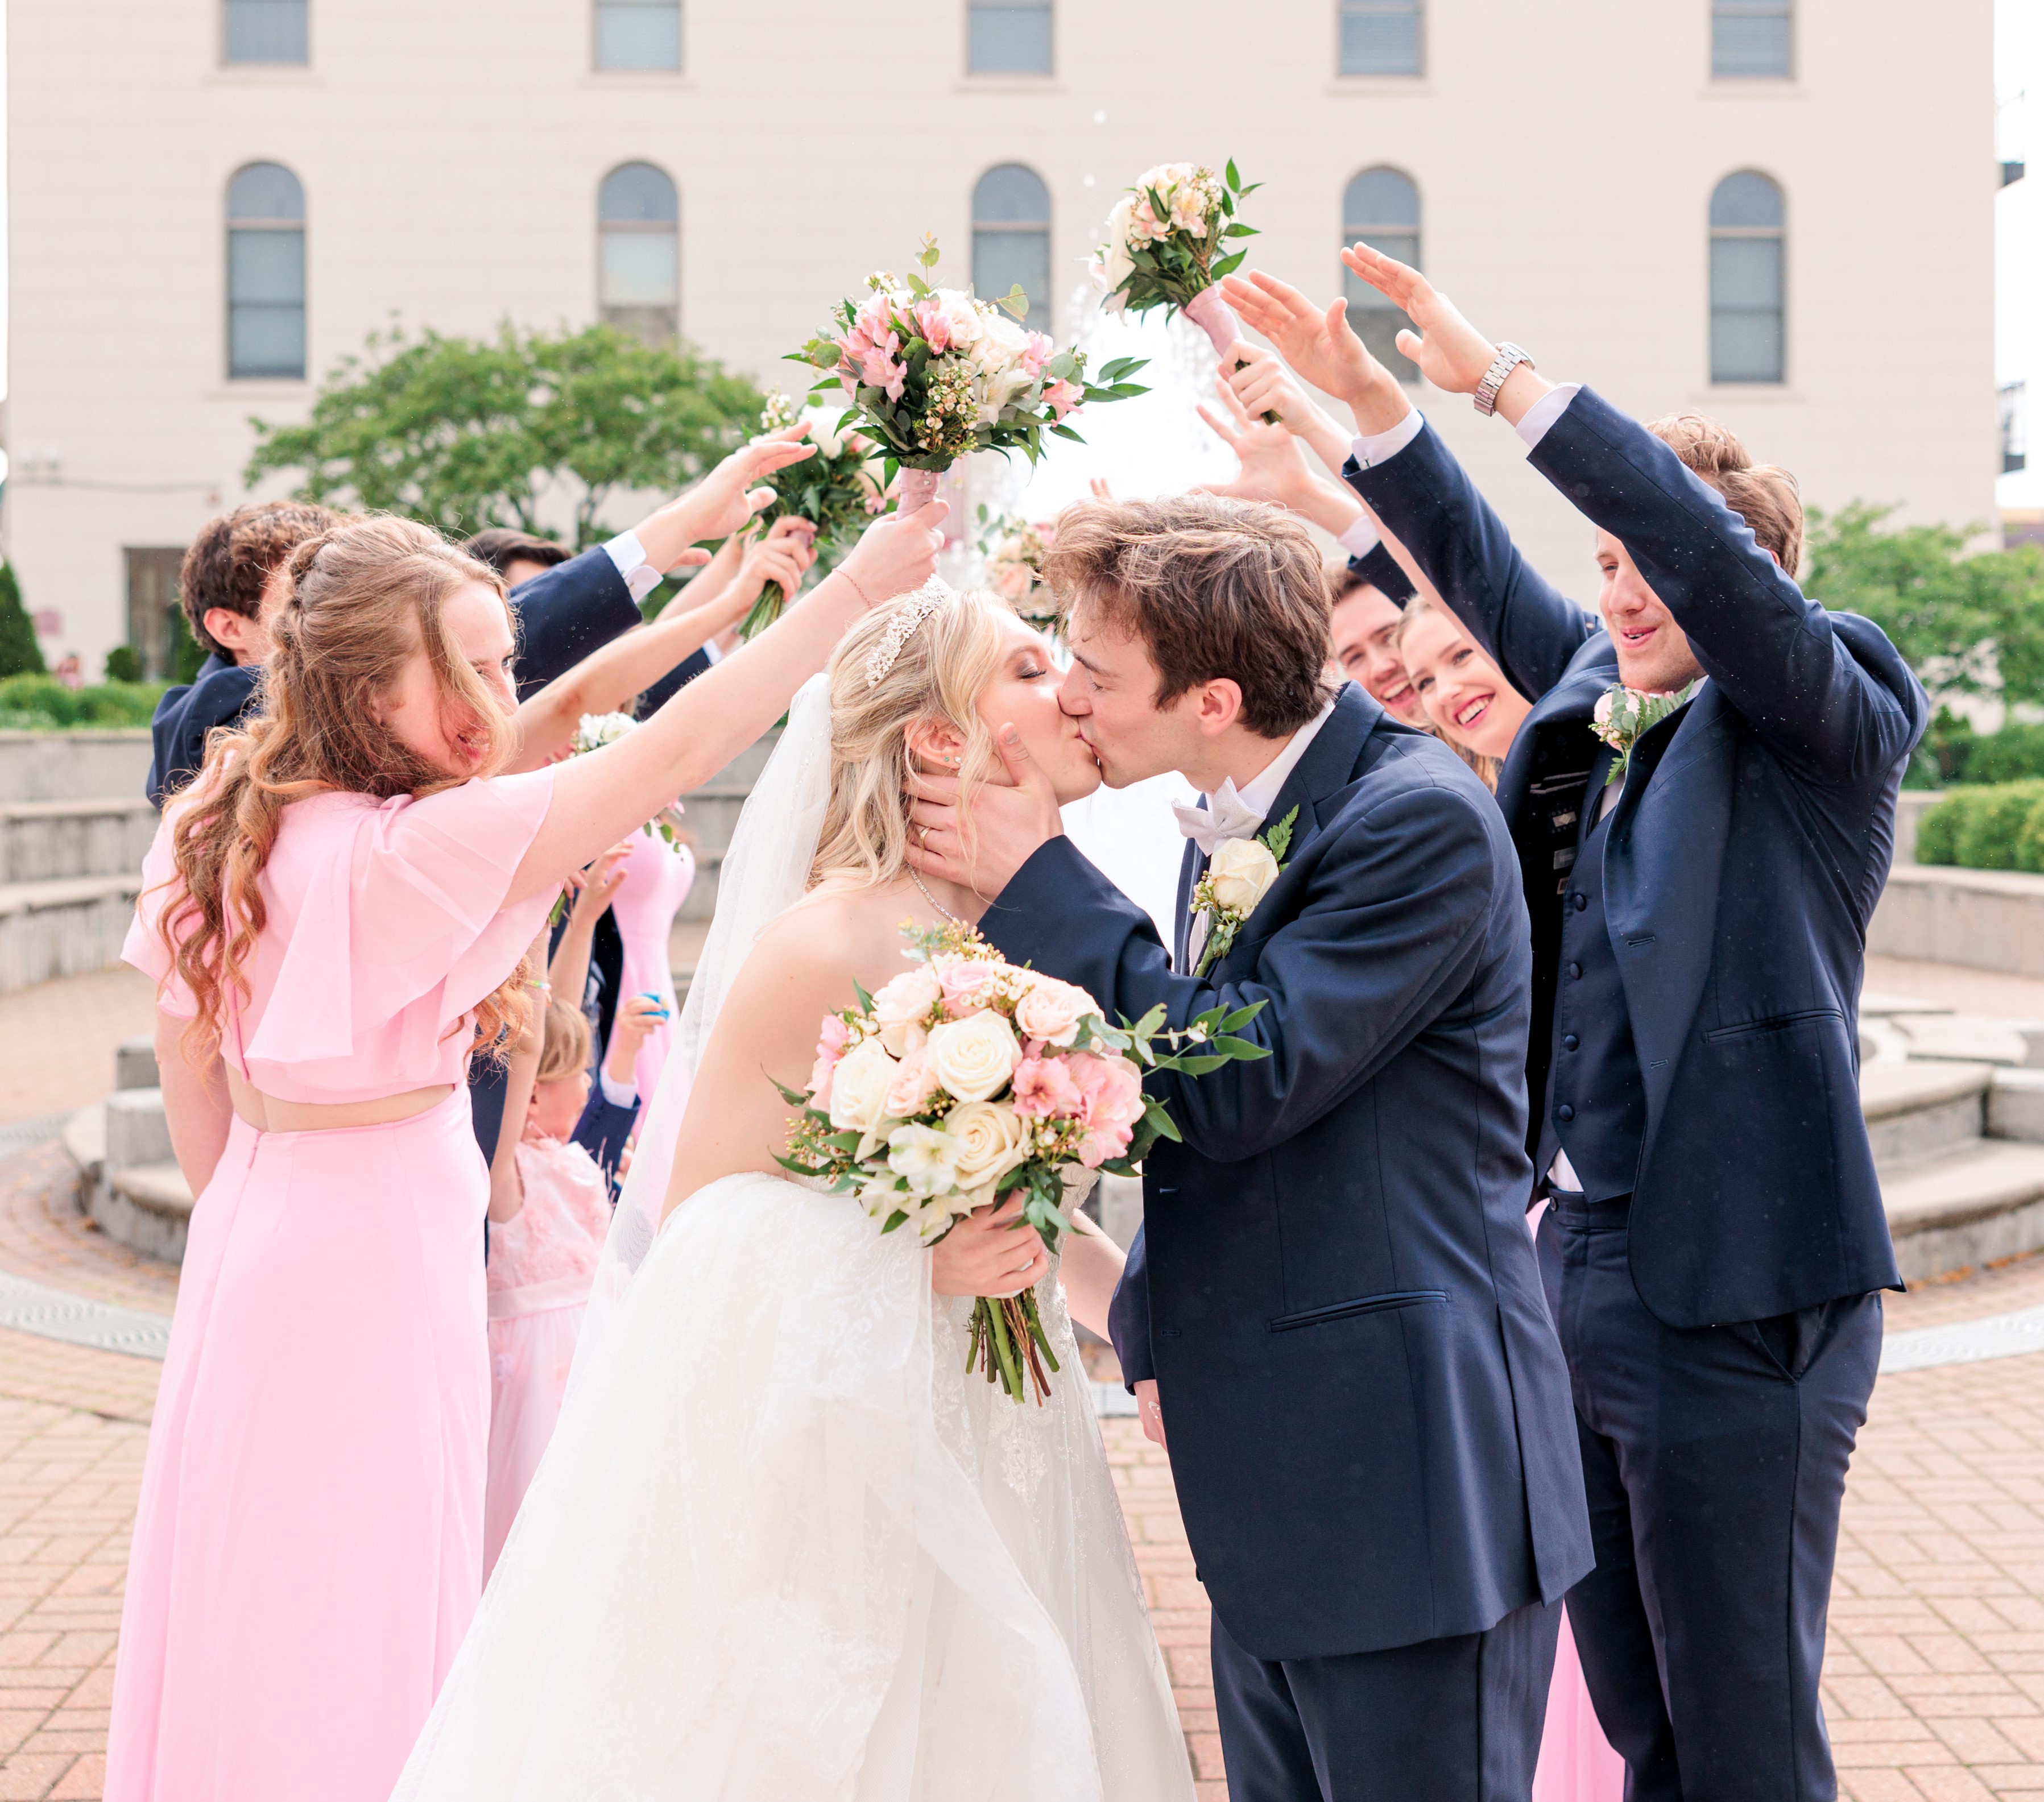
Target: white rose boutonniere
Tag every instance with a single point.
(1622, 716)
(1236, 881)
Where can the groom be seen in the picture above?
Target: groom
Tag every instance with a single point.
(1336, 1294)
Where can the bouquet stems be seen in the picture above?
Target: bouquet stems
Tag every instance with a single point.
(765, 611)
(918, 488)
(1006, 1341)
(1213, 316)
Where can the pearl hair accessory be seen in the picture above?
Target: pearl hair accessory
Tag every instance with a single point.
(925, 602)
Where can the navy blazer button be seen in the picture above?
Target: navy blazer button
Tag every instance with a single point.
(1569, 1041)
(1565, 1111)
(1581, 902)
(1576, 971)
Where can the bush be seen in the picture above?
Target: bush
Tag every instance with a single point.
(20, 653)
(1996, 827)
(38, 703)
(1952, 752)
(124, 664)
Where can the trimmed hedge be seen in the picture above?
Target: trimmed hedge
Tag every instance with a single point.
(43, 704)
(1999, 826)
(1953, 753)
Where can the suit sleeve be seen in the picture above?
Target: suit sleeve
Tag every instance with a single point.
(1425, 498)
(1384, 572)
(1129, 1317)
(673, 683)
(602, 1131)
(1771, 649)
(565, 612)
(1391, 927)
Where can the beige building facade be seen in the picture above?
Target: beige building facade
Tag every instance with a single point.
(1778, 211)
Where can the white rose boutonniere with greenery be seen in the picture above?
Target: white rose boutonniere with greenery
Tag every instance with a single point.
(1624, 715)
(1237, 879)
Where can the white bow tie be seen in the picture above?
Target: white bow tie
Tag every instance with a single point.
(1226, 816)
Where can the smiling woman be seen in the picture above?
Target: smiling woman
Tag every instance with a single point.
(1465, 693)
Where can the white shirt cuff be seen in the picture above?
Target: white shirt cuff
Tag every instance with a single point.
(1545, 411)
(1361, 538)
(618, 1094)
(710, 651)
(1387, 444)
(640, 578)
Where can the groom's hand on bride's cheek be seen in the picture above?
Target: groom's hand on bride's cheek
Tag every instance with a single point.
(1010, 821)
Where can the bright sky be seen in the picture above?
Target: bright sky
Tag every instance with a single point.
(2019, 215)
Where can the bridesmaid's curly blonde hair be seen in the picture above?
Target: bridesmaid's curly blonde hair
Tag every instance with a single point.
(937, 675)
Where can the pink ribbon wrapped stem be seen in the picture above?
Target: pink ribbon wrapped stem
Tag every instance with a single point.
(918, 488)
(1217, 318)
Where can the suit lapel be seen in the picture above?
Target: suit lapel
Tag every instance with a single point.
(1191, 866)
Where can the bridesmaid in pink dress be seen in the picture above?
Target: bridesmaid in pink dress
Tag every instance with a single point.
(336, 914)
(658, 877)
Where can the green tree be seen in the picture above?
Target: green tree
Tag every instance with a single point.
(1967, 624)
(20, 653)
(463, 433)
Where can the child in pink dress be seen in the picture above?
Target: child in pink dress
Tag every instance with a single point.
(336, 913)
(549, 1211)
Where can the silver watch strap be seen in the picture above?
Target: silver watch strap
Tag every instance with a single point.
(1509, 357)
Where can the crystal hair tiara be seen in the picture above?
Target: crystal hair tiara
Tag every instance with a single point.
(919, 606)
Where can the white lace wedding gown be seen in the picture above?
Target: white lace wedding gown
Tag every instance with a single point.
(782, 1548)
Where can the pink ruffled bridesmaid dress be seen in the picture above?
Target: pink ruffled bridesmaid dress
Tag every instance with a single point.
(657, 880)
(307, 1548)
(542, 1262)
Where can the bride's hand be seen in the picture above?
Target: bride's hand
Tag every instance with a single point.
(988, 1253)
(897, 554)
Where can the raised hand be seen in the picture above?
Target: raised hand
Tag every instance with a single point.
(1263, 384)
(726, 499)
(1320, 345)
(783, 555)
(1450, 352)
(897, 554)
(1271, 467)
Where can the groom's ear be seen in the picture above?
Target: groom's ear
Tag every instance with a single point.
(1215, 705)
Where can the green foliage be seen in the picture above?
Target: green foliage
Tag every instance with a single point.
(464, 433)
(1996, 827)
(1966, 624)
(186, 653)
(1953, 753)
(43, 704)
(1170, 270)
(20, 653)
(124, 664)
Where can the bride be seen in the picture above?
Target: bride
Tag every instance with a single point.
(782, 1545)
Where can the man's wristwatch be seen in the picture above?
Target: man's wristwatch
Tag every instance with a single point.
(1509, 357)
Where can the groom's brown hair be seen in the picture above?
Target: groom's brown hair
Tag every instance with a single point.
(1214, 588)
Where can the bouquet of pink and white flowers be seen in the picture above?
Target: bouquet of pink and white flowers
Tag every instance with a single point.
(1014, 551)
(1167, 246)
(967, 1080)
(837, 491)
(935, 374)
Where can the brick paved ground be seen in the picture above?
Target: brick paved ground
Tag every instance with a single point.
(57, 1039)
(1933, 1686)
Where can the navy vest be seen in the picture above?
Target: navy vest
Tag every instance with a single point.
(1597, 1098)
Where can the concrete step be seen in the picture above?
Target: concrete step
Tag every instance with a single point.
(41, 840)
(1968, 1207)
(79, 765)
(1973, 1038)
(149, 1207)
(66, 926)
(1915, 1111)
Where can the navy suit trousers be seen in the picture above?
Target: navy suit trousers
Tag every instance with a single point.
(1715, 1460)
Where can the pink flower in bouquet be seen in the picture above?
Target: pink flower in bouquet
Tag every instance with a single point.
(914, 1083)
(966, 981)
(903, 1006)
(1111, 1089)
(1044, 1090)
(1036, 350)
(934, 324)
(1051, 1010)
(830, 1047)
(1142, 222)
(1063, 397)
(1014, 581)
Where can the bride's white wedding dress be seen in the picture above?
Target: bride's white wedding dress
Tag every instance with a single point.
(782, 1547)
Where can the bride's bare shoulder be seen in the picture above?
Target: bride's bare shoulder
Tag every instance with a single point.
(828, 938)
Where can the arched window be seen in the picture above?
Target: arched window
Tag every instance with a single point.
(1747, 280)
(1380, 37)
(1011, 238)
(1381, 209)
(1008, 37)
(264, 31)
(1752, 39)
(266, 274)
(639, 260)
(638, 34)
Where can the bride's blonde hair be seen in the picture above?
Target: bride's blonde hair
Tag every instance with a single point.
(937, 676)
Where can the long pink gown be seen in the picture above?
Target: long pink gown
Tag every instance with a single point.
(307, 1548)
(542, 1262)
(1576, 1761)
(657, 880)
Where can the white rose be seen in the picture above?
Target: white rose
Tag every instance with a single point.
(903, 1005)
(973, 1058)
(1242, 872)
(858, 1088)
(967, 320)
(987, 1141)
(923, 1155)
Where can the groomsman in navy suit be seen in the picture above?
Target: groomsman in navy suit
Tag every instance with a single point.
(1333, 1301)
(1699, 891)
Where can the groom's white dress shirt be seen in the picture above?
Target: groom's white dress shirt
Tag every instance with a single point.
(1230, 813)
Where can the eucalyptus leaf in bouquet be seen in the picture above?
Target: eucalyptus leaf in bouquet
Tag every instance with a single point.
(935, 373)
(968, 1080)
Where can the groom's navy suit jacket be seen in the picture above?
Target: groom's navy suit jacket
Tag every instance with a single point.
(1741, 865)
(1371, 1433)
